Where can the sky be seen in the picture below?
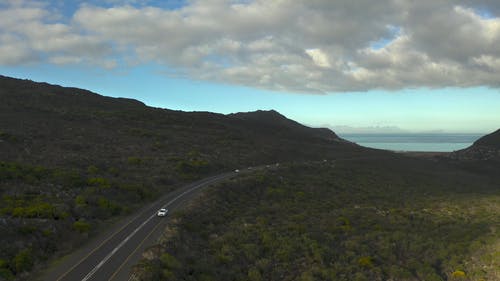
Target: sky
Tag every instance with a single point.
(397, 66)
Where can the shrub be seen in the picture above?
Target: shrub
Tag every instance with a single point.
(81, 226)
(70, 179)
(134, 160)
(254, 274)
(6, 274)
(169, 261)
(458, 274)
(18, 212)
(192, 166)
(80, 200)
(40, 210)
(99, 182)
(92, 170)
(365, 262)
(109, 206)
(23, 261)
(7, 137)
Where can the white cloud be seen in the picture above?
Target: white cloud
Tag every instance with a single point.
(65, 60)
(301, 46)
(13, 52)
(319, 57)
(28, 35)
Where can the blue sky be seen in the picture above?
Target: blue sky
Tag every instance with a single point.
(385, 72)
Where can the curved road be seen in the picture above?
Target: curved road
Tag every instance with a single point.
(111, 255)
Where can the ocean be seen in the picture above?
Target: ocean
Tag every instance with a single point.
(414, 142)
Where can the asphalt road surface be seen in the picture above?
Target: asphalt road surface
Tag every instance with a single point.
(111, 255)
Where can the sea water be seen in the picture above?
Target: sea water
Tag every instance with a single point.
(414, 142)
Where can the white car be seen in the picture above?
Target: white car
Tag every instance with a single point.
(162, 212)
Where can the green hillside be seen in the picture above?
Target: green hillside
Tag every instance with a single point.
(71, 161)
(363, 220)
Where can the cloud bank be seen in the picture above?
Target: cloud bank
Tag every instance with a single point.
(310, 46)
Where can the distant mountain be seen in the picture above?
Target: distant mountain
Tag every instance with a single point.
(342, 130)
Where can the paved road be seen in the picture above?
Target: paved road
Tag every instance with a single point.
(111, 255)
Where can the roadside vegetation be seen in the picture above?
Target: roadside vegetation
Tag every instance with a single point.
(403, 219)
(46, 211)
(72, 162)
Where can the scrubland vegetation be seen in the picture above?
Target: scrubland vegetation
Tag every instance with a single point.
(346, 220)
(44, 211)
(72, 162)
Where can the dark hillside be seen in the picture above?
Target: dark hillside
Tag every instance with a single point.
(47, 124)
(401, 219)
(273, 123)
(492, 140)
(71, 160)
(483, 154)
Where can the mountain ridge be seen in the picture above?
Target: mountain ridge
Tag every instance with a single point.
(485, 148)
(78, 160)
(492, 139)
(33, 109)
(73, 160)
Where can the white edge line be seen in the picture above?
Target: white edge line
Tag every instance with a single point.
(101, 263)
